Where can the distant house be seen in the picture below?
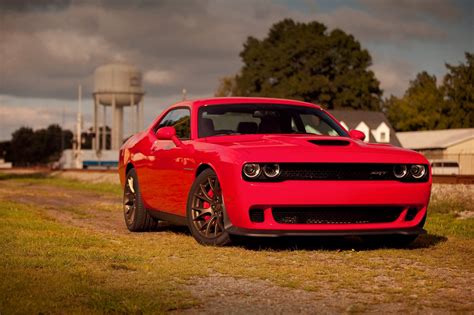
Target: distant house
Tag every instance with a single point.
(449, 145)
(374, 125)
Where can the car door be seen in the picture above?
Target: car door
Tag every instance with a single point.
(169, 173)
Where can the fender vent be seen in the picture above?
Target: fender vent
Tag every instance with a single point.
(332, 143)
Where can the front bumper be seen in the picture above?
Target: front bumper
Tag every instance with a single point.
(379, 194)
(278, 233)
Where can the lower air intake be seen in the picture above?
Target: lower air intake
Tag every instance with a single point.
(256, 215)
(336, 215)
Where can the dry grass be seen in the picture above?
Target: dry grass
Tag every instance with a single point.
(53, 266)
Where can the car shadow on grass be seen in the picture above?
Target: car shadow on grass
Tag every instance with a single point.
(329, 243)
(334, 243)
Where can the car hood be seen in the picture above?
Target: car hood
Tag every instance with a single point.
(312, 148)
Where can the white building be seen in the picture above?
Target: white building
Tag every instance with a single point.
(374, 125)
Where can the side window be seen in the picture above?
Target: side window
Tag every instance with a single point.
(180, 119)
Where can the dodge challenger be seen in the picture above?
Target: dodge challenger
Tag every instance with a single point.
(269, 167)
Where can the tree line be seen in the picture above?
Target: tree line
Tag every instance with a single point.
(306, 61)
(427, 105)
(29, 147)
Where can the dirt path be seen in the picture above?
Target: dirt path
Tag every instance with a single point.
(90, 210)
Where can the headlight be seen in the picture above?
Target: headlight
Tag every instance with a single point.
(271, 170)
(400, 171)
(252, 170)
(417, 171)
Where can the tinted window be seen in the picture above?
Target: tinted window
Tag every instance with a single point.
(265, 119)
(180, 119)
(444, 164)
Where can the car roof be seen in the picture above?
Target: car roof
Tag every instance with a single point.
(242, 100)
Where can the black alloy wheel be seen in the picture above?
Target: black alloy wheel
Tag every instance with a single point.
(137, 218)
(206, 210)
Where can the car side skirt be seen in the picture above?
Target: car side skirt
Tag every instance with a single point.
(165, 216)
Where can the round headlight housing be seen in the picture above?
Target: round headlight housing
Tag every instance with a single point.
(400, 171)
(271, 170)
(252, 170)
(417, 171)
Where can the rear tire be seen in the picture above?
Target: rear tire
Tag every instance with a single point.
(205, 210)
(137, 218)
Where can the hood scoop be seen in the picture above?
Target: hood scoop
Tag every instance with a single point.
(330, 142)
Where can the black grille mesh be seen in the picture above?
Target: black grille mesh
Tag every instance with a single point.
(330, 171)
(256, 215)
(336, 215)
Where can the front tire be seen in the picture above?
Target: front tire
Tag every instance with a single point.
(205, 210)
(137, 218)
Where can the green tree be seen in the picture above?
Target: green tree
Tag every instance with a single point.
(304, 61)
(226, 86)
(458, 87)
(421, 108)
(427, 106)
(22, 147)
(42, 146)
(5, 150)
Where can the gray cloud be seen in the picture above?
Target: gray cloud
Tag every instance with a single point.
(439, 9)
(33, 5)
(380, 28)
(48, 47)
(43, 53)
(394, 74)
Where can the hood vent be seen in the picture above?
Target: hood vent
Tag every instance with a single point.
(331, 142)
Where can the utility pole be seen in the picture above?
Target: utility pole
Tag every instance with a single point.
(62, 130)
(79, 119)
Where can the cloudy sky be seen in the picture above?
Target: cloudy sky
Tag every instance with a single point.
(48, 47)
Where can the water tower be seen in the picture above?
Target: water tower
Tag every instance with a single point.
(117, 85)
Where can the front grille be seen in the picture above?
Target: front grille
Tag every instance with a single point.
(336, 215)
(336, 171)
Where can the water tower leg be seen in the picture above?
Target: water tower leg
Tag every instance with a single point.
(119, 126)
(133, 120)
(104, 129)
(140, 115)
(137, 118)
(114, 124)
(95, 142)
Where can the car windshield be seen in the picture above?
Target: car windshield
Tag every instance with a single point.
(235, 119)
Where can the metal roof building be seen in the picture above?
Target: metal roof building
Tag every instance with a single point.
(435, 139)
(449, 144)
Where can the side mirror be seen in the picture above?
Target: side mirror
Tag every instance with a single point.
(168, 133)
(356, 134)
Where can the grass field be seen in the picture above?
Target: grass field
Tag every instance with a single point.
(64, 249)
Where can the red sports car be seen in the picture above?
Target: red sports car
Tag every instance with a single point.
(269, 167)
